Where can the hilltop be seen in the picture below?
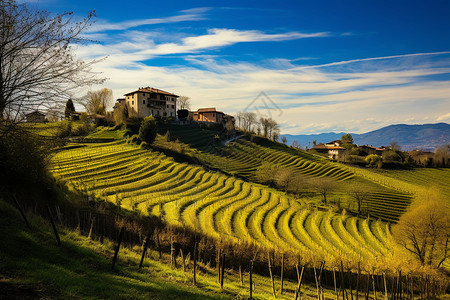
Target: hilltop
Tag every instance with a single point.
(409, 137)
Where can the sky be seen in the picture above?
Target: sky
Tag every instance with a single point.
(313, 66)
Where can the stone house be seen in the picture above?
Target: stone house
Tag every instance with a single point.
(150, 101)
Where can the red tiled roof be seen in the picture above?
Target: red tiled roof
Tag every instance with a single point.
(152, 90)
(213, 109)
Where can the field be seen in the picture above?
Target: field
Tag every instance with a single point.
(218, 205)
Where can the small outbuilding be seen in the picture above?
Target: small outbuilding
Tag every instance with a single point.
(35, 117)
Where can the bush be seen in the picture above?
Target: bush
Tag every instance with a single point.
(148, 130)
(64, 129)
(373, 160)
(133, 124)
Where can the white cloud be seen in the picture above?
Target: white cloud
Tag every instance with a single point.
(195, 14)
(445, 117)
(360, 95)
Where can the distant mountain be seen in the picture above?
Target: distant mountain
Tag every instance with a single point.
(409, 137)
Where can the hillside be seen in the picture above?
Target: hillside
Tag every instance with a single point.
(409, 137)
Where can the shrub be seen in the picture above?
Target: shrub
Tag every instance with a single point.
(133, 124)
(148, 130)
(64, 129)
(372, 160)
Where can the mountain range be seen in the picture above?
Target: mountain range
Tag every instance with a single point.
(409, 137)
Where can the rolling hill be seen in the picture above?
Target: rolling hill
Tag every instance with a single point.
(409, 137)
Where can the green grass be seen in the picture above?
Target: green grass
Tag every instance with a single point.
(34, 266)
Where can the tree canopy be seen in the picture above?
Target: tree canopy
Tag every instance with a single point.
(37, 67)
(425, 228)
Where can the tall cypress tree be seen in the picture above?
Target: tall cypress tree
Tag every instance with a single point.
(70, 108)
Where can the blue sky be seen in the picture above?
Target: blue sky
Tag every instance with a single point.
(322, 66)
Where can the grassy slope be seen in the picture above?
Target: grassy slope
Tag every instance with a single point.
(33, 266)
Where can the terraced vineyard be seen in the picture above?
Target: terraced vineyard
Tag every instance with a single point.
(243, 158)
(216, 204)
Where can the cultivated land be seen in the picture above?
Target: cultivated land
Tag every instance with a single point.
(236, 208)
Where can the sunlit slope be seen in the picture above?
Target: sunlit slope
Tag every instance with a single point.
(242, 158)
(214, 203)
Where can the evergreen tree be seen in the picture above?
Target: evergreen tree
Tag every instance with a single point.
(70, 108)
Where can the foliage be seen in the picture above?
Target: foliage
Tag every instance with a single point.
(373, 160)
(347, 137)
(148, 130)
(184, 103)
(96, 102)
(70, 109)
(133, 124)
(24, 156)
(38, 67)
(425, 229)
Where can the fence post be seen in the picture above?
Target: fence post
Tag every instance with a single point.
(271, 275)
(282, 272)
(147, 239)
(298, 290)
(222, 271)
(118, 246)
(251, 279)
(53, 226)
(22, 212)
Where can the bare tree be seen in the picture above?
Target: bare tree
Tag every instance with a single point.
(425, 228)
(249, 119)
(323, 186)
(37, 67)
(96, 102)
(360, 195)
(184, 102)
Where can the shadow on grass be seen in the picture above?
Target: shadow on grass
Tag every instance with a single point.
(36, 267)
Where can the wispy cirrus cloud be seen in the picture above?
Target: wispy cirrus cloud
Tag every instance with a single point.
(135, 46)
(312, 99)
(195, 14)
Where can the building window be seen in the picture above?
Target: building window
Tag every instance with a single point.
(144, 94)
(143, 102)
(173, 106)
(171, 114)
(167, 105)
(132, 102)
(214, 115)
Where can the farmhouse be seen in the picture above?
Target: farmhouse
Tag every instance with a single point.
(210, 115)
(333, 149)
(35, 117)
(373, 150)
(150, 101)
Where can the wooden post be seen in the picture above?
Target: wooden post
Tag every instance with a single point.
(219, 253)
(373, 285)
(144, 251)
(222, 271)
(195, 263)
(240, 275)
(282, 272)
(298, 290)
(342, 281)
(91, 227)
(335, 289)
(385, 287)
(251, 279)
(22, 212)
(55, 231)
(118, 246)
(317, 282)
(271, 275)
(358, 280)
(159, 245)
(172, 253)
